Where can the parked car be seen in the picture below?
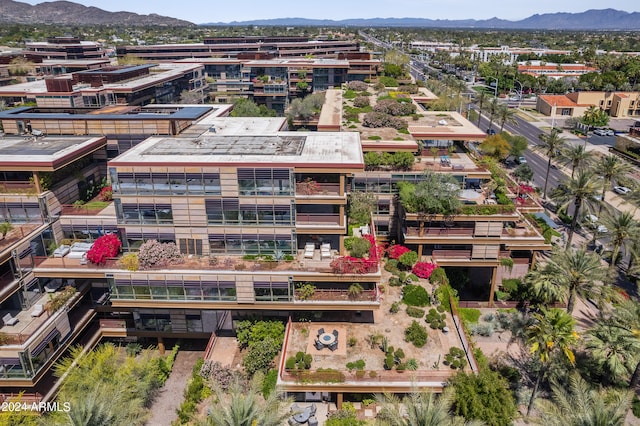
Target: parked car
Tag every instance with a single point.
(592, 222)
(522, 160)
(610, 132)
(491, 132)
(600, 132)
(622, 190)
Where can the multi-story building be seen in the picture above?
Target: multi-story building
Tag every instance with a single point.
(238, 47)
(62, 48)
(555, 71)
(616, 104)
(124, 85)
(273, 82)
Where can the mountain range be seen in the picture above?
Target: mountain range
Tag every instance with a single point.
(604, 19)
(66, 12)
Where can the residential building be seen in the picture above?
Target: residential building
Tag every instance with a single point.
(63, 48)
(616, 104)
(552, 70)
(96, 88)
(238, 47)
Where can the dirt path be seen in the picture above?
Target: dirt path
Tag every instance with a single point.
(163, 409)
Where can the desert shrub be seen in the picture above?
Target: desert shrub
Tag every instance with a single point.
(414, 312)
(388, 81)
(360, 247)
(469, 315)
(395, 307)
(415, 295)
(251, 332)
(435, 319)
(222, 376)
(103, 248)
(395, 108)
(260, 356)
(269, 382)
(416, 334)
(482, 330)
(130, 262)
(358, 86)
(391, 265)
(389, 362)
(438, 277)
(361, 101)
(357, 365)
(408, 259)
(511, 285)
(153, 254)
(456, 358)
(379, 119)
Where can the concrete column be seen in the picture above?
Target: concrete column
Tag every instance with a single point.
(339, 400)
(36, 181)
(161, 345)
(494, 282)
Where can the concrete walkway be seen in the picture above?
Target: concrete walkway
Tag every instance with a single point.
(170, 396)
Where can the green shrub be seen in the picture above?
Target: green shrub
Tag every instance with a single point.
(438, 277)
(389, 362)
(360, 247)
(290, 363)
(409, 259)
(456, 358)
(511, 285)
(391, 265)
(416, 334)
(635, 406)
(469, 315)
(414, 312)
(374, 138)
(395, 307)
(269, 382)
(415, 295)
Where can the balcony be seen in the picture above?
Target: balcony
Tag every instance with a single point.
(416, 232)
(326, 295)
(90, 209)
(317, 219)
(28, 188)
(310, 188)
(465, 255)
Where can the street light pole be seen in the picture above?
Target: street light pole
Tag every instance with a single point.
(520, 95)
(495, 88)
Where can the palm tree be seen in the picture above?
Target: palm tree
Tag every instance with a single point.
(551, 333)
(506, 115)
(420, 409)
(577, 157)
(481, 97)
(104, 404)
(551, 144)
(614, 347)
(611, 167)
(581, 191)
(245, 407)
(627, 315)
(624, 230)
(577, 271)
(543, 288)
(492, 108)
(581, 405)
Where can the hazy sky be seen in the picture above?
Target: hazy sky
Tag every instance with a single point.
(200, 11)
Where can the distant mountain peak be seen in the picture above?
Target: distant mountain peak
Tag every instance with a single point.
(66, 12)
(593, 19)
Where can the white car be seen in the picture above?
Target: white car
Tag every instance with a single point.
(592, 222)
(622, 190)
(600, 132)
(522, 160)
(610, 132)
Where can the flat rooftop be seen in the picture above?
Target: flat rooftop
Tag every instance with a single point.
(46, 153)
(281, 149)
(444, 125)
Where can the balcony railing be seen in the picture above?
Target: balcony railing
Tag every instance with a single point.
(305, 188)
(71, 210)
(439, 232)
(17, 188)
(317, 219)
(6, 279)
(465, 254)
(338, 295)
(379, 376)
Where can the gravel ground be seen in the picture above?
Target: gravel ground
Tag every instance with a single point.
(170, 396)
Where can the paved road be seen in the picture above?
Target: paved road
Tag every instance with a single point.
(537, 163)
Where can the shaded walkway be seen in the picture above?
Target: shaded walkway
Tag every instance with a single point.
(170, 396)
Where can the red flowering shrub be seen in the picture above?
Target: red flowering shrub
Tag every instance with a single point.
(103, 248)
(424, 269)
(520, 201)
(376, 250)
(106, 194)
(526, 189)
(353, 265)
(397, 250)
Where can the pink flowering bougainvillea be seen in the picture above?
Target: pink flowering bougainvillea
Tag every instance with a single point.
(106, 194)
(424, 269)
(526, 189)
(397, 250)
(353, 265)
(103, 248)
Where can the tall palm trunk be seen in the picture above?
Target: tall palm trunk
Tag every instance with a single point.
(571, 303)
(546, 179)
(479, 114)
(574, 222)
(635, 378)
(534, 392)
